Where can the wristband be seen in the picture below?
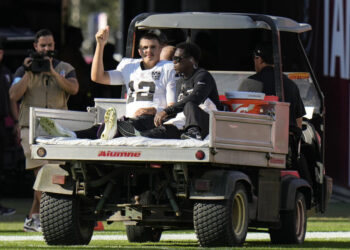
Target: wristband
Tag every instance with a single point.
(168, 110)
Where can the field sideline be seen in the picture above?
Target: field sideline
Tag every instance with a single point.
(328, 231)
(185, 236)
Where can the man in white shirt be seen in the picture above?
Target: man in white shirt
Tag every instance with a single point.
(150, 82)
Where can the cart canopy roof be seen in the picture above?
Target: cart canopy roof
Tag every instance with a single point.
(208, 20)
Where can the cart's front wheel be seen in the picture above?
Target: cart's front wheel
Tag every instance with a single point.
(293, 224)
(143, 234)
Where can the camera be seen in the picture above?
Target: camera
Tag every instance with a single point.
(40, 63)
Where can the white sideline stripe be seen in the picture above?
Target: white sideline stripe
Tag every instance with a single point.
(191, 236)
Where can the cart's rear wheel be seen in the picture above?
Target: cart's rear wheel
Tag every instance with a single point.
(61, 220)
(222, 223)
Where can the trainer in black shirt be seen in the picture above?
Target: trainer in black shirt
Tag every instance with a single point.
(263, 62)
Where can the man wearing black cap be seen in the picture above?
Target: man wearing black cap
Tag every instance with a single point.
(264, 81)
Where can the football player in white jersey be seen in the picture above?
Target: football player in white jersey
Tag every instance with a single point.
(150, 82)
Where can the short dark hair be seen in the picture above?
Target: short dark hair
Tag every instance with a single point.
(150, 36)
(190, 49)
(162, 37)
(42, 32)
(264, 50)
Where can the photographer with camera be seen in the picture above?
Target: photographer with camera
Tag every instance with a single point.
(45, 82)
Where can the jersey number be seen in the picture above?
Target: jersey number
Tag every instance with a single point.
(145, 91)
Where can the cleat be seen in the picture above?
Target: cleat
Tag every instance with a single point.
(6, 211)
(110, 124)
(127, 129)
(192, 133)
(53, 128)
(32, 224)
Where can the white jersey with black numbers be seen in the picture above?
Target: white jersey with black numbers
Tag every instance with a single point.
(145, 88)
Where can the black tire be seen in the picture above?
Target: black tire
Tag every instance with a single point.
(143, 234)
(293, 224)
(60, 222)
(222, 223)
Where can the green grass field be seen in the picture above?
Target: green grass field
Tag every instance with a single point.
(336, 219)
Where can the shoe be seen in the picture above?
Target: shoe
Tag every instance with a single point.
(53, 128)
(6, 211)
(127, 129)
(110, 124)
(192, 133)
(32, 224)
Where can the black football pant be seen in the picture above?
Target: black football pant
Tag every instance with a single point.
(195, 117)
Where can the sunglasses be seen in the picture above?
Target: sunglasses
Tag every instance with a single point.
(178, 59)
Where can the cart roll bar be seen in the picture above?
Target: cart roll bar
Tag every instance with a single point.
(130, 43)
(314, 79)
(276, 48)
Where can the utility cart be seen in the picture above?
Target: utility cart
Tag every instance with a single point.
(236, 180)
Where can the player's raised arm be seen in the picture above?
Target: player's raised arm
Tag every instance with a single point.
(98, 74)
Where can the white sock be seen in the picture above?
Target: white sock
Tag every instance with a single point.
(36, 216)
